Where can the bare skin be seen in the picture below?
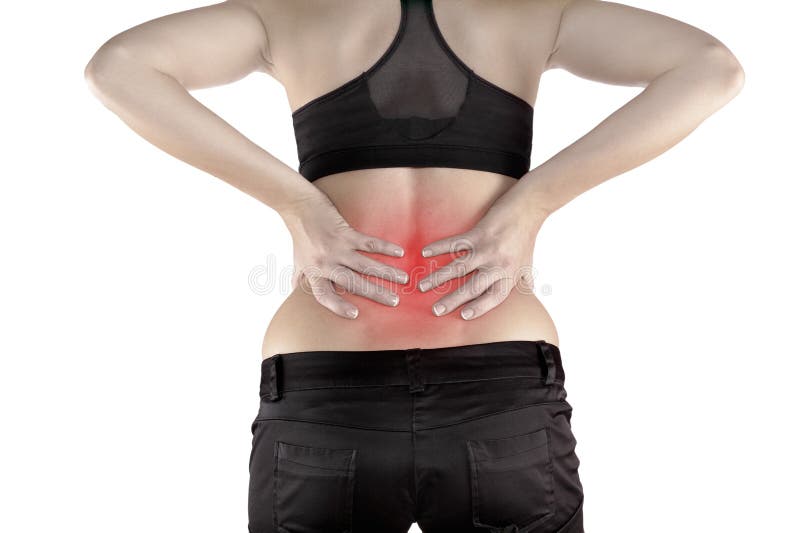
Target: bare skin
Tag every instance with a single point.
(480, 226)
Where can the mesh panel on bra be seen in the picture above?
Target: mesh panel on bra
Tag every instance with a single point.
(418, 88)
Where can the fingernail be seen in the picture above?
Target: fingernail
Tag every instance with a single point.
(395, 300)
(424, 285)
(398, 252)
(467, 313)
(352, 313)
(426, 252)
(438, 309)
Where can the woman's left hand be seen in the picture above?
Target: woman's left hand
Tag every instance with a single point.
(499, 254)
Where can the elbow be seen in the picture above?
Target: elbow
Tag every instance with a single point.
(723, 68)
(93, 77)
(107, 68)
(99, 72)
(103, 70)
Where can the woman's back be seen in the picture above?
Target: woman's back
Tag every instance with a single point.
(365, 429)
(317, 47)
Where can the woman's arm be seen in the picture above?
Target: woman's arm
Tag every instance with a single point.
(687, 75)
(144, 74)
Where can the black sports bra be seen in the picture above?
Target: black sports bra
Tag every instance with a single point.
(419, 105)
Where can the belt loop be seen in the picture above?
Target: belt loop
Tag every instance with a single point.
(549, 363)
(412, 363)
(274, 374)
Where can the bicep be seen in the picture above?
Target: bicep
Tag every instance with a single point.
(201, 47)
(622, 45)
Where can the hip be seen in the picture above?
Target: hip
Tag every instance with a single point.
(462, 438)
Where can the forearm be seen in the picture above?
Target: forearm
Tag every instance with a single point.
(665, 112)
(157, 107)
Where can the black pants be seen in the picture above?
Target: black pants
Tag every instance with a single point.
(457, 439)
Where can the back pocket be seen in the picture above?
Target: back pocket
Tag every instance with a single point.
(512, 481)
(313, 488)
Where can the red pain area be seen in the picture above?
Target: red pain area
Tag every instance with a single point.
(414, 303)
(416, 217)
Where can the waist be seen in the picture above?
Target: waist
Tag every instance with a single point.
(414, 389)
(412, 367)
(303, 324)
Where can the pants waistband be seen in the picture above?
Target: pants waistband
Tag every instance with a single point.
(414, 367)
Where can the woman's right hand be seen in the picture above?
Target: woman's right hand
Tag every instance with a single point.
(325, 252)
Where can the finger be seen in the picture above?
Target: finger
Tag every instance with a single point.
(453, 244)
(368, 243)
(356, 284)
(457, 268)
(325, 294)
(371, 267)
(472, 289)
(494, 296)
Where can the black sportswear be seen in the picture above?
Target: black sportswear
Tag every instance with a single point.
(419, 105)
(470, 438)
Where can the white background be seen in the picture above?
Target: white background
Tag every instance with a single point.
(131, 331)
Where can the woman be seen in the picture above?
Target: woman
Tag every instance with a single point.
(412, 375)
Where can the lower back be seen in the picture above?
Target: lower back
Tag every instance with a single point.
(411, 207)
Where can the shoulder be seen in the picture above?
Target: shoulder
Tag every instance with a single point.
(274, 16)
(535, 25)
(288, 25)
